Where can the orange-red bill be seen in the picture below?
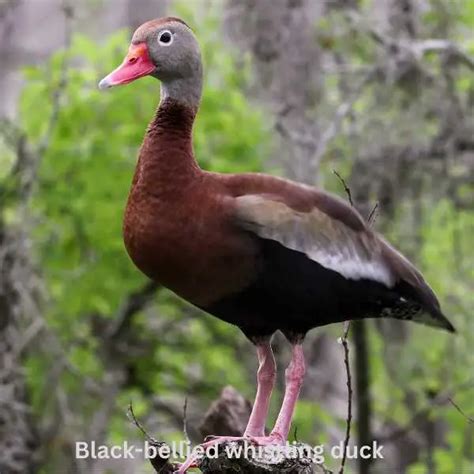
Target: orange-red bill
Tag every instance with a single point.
(136, 64)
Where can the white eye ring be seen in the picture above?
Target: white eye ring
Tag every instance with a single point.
(165, 34)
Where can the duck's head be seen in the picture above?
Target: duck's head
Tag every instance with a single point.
(164, 48)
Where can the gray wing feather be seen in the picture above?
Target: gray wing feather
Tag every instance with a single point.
(327, 241)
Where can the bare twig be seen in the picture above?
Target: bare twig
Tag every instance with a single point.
(441, 399)
(346, 188)
(345, 346)
(469, 419)
(373, 214)
(131, 416)
(185, 420)
(160, 463)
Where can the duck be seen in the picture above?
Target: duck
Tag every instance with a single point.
(260, 252)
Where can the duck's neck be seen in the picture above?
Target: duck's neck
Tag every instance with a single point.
(186, 90)
(166, 163)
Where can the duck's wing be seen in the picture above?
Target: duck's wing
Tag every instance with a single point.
(333, 234)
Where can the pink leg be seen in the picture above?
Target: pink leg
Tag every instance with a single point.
(266, 375)
(294, 380)
(256, 424)
(265, 381)
(294, 376)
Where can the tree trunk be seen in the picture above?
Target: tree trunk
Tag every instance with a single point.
(18, 440)
(362, 390)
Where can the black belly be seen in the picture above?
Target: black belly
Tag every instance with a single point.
(294, 294)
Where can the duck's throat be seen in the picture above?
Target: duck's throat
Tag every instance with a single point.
(166, 162)
(186, 90)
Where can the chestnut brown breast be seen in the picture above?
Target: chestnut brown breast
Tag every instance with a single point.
(189, 245)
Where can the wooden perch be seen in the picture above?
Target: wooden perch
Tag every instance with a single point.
(227, 416)
(223, 464)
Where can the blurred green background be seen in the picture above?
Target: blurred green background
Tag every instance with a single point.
(381, 92)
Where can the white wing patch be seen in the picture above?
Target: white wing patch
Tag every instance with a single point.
(327, 241)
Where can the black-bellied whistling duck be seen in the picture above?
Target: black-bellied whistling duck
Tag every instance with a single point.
(260, 252)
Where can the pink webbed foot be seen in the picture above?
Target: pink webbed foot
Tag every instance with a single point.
(194, 458)
(273, 438)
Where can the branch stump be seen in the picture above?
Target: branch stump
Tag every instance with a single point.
(258, 464)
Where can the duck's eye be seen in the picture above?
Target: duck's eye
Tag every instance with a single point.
(165, 38)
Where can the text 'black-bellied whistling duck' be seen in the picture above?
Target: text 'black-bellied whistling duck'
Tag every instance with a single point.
(260, 252)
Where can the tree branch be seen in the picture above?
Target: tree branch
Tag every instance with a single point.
(132, 304)
(160, 462)
(341, 113)
(345, 346)
(441, 399)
